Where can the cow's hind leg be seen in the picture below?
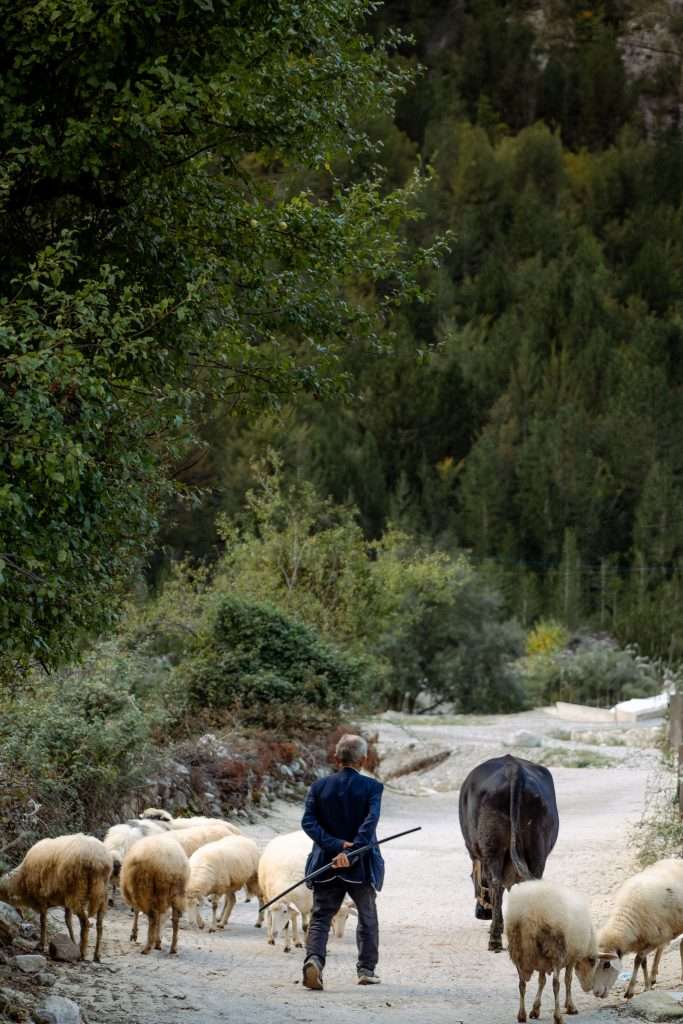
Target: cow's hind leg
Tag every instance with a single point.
(536, 1008)
(496, 931)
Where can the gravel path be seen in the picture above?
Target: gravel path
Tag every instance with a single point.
(434, 965)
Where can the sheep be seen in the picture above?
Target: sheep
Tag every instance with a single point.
(120, 838)
(648, 914)
(339, 920)
(164, 818)
(282, 863)
(154, 877)
(192, 838)
(70, 871)
(549, 928)
(221, 868)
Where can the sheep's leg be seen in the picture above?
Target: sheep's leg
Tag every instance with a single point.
(632, 983)
(175, 918)
(521, 1013)
(227, 909)
(269, 926)
(151, 931)
(261, 914)
(85, 925)
(214, 908)
(655, 966)
(294, 918)
(680, 950)
(43, 930)
(568, 1001)
(646, 978)
(536, 1008)
(68, 921)
(161, 922)
(305, 921)
(557, 1015)
(134, 929)
(198, 919)
(98, 940)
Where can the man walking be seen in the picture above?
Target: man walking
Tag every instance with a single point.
(341, 813)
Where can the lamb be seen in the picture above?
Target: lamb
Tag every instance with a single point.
(165, 819)
(70, 871)
(339, 920)
(221, 868)
(549, 928)
(154, 878)
(282, 863)
(648, 914)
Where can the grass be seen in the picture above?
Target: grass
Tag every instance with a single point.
(659, 833)
(560, 757)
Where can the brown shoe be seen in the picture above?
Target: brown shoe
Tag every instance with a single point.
(313, 974)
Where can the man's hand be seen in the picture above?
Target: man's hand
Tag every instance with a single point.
(341, 860)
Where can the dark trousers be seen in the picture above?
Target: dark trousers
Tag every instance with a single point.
(327, 899)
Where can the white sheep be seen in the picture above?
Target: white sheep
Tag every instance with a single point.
(70, 871)
(220, 869)
(164, 818)
(648, 913)
(282, 863)
(339, 920)
(549, 928)
(154, 877)
(192, 838)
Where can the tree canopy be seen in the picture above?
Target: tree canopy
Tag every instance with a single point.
(161, 252)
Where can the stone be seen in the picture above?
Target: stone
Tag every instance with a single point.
(62, 948)
(57, 1010)
(46, 979)
(13, 1005)
(523, 738)
(10, 923)
(655, 1006)
(29, 963)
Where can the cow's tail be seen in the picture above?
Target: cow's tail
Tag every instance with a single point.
(516, 857)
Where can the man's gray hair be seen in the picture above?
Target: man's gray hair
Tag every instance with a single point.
(351, 749)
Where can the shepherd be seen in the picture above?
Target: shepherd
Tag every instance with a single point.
(341, 813)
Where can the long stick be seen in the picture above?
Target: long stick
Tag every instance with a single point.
(325, 867)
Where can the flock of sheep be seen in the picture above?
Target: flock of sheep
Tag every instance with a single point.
(164, 864)
(549, 929)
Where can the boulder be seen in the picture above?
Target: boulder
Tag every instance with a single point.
(57, 1010)
(29, 963)
(10, 923)
(523, 738)
(13, 1005)
(46, 979)
(656, 1006)
(62, 948)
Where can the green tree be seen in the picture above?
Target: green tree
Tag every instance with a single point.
(156, 261)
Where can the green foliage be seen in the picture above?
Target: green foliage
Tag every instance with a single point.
(255, 657)
(597, 674)
(160, 260)
(84, 738)
(546, 637)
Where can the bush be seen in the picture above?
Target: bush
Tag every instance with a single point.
(255, 656)
(546, 637)
(599, 675)
(82, 742)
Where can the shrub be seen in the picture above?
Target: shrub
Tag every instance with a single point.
(546, 637)
(255, 657)
(598, 674)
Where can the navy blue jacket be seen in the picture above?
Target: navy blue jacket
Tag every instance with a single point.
(345, 805)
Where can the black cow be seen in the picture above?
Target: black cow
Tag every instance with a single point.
(509, 820)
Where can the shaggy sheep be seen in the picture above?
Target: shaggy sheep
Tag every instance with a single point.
(220, 869)
(549, 928)
(282, 863)
(164, 818)
(154, 877)
(346, 910)
(648, 914)
(69, 871)
(120, 838)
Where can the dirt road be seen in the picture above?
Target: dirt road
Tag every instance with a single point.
(434, 965)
